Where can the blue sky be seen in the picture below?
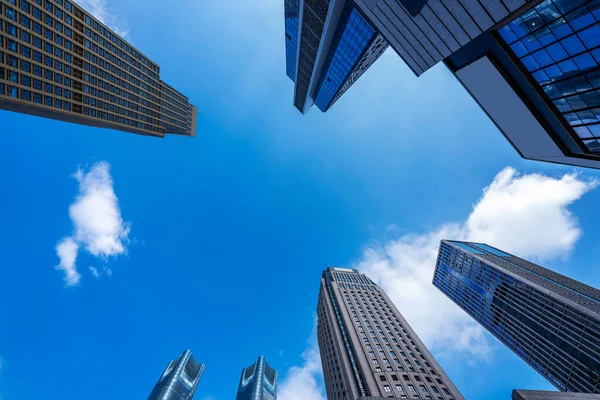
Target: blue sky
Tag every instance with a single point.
(224, 236)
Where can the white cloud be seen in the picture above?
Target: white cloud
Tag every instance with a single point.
(523, 214)
(304, 382)
(98, 225)
(102, 11)
(66, 250)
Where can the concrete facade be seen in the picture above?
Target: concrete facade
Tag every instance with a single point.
(368, 350)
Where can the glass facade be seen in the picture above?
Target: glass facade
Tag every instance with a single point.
(180, 379)
(367, 348)
(549, 320)
(258, 382)
(558, 42)
(292, 10)
(353, 38)
(57, 61)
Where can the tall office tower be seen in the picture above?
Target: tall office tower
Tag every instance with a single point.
(329, 45)
(57, 61)
(258, 382)
(368, 350)
(532, 65)
(545, 395)
(549, 320)
(180, 379)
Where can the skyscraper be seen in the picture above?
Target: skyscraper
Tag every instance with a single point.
(549, 320)
(368, 350)
(532, 65)
(58, 61)
(258, 382)
(180, 379)
(329, 45)
(545, 395)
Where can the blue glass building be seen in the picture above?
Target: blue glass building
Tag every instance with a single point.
(329, 45)
(533, 66)
(550, 321)
(180, 379)
(258, 382)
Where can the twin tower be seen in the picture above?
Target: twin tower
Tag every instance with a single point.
(182, 376)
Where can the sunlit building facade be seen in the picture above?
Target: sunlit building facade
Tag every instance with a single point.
(180, 379)
(258, 382)
(550, 321)
(368, 350)
(58, 61)
(532, 65)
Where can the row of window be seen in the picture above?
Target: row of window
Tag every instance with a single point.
(60, 104)
(172, 97)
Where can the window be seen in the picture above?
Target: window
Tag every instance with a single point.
(411, 388)
(423, 388)
(399, 388)
(387, 389)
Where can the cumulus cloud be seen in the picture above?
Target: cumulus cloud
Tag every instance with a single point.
(66, 250)
(102, 11)
(98, 226)
(524, 214)
(304, 382)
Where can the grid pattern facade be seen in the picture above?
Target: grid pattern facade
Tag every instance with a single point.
(353, 37)
(440, 28)
(292, 11)
(558, 42)
(180, 379)
(258, 382)
(545, 395)
(368, 349)
(314, 14)
(550, 321)
(58, 61)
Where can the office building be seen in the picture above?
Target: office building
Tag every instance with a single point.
(258, 382)
(549, 320)
(329, 45)
(533, 66)
(368, 350)
(545, 395)
(58, 61)
(180, 379)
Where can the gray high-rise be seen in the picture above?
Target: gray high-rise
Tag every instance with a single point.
(549, 320)
(533, 66)
(368, 350)
(258, 382)
(180, 379)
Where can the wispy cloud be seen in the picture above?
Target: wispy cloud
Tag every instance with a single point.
(305, 381)
(98, 226)
(104, 13)
(524, 214)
